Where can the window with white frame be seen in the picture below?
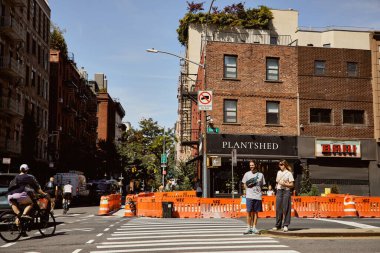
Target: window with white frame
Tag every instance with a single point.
(230, 111)
(230, 66)
(273, 112)
(272, 69)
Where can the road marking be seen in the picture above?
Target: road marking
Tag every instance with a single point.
(77, 250)
(177, 249)
(7, 245)
(241, 238)
(106, 229)
(349, 223)
(117, 237)
(99, 234)
(90, 241)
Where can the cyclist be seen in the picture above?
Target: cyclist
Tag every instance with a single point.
(51, 188)
(22, 191)
(67, 192)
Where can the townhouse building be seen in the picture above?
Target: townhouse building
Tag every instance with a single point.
(304, 95)
(24, 84)
(72, 116)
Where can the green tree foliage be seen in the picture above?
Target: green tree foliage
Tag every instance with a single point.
(235, 15)
(142, 148)
(335, 189)
(57, 41)
(306, 182)
(185, 173)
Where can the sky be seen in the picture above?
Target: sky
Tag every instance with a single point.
(111, 36)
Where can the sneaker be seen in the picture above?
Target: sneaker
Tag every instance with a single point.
(255, 231)
(275, 229)
(25, 216)
(285, 229)
(24, 234)
(248, 231)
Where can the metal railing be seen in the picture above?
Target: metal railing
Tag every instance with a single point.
(12, 28)
(11, 66)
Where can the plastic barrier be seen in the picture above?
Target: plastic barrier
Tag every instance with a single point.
(219, 208)
(306, 207)
(149, 207)
(185, 208)
(349, 206)
(330, 207)
(269, 207)
(103, 207)
(368, 207)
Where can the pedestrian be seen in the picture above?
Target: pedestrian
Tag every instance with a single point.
(270, 191)
(198, 188)
(51, 188)
(253, 180)
(168, 186)
(285, 183)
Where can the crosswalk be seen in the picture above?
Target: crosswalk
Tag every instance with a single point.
(186, 235)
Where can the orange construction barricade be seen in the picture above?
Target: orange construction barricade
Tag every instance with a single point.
(104, 207)
(367, 207)
(130, 207)
(349, 206)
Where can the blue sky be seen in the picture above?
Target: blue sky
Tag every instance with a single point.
(111, 36)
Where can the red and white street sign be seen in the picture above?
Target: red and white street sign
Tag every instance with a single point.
(205, 100)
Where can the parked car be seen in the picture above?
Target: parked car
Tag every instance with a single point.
(102, 187)
(5, 179)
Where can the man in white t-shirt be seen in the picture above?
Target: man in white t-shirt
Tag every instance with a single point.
(67, 192)
(253, 197)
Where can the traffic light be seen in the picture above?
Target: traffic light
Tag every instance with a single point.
(134, 169)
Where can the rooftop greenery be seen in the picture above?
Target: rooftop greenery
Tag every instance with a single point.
(235, 15)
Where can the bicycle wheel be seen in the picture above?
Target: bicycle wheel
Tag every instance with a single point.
(65, 207)
(9, 231)
(46, 223)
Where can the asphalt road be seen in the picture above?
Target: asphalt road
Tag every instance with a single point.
(81, 230)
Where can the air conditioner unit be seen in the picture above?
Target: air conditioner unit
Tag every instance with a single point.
(60, 100)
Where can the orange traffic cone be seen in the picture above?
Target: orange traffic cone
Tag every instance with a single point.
(128, 210)
(349, 207)
(104, 207)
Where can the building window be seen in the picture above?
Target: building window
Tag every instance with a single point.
(352, 68)
(353, 117)
(272, 69)
(273, 40)
(230, 66)
(273, 115)
(230, 111)
(320, 115)
(319, 68)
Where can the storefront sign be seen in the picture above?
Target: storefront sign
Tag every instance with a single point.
(335, 148)
(252, 144)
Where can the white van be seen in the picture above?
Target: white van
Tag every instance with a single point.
(76, 179)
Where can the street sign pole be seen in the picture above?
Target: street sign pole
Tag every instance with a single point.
(233, 163)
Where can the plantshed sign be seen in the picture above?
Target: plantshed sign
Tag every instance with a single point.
(252, 144)
(337, 148)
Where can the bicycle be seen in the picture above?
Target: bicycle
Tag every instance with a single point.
(65, 205)
(12, 227)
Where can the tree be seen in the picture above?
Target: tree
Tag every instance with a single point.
(57, 41)
(306, 182)
(141, 151)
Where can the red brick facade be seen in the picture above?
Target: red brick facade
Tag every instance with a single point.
(336, 91)
(250, 88)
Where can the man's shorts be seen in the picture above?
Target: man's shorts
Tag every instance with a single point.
(67, 195)
(22, 198)
(254, 205)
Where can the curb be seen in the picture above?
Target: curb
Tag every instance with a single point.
(325, 233)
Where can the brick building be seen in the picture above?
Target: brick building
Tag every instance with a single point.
(283, 93)
(24, 84)
(72, 116)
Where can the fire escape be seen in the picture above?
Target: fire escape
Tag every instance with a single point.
(189, 132)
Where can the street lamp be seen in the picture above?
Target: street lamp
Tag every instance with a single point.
(152, 50)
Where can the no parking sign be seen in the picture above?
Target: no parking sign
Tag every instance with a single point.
(205, 100)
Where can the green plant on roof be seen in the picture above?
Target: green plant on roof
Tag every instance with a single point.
(235, 15)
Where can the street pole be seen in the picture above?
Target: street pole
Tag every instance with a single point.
(163, 165)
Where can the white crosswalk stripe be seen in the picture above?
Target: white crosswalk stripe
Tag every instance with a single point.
(186, 235)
